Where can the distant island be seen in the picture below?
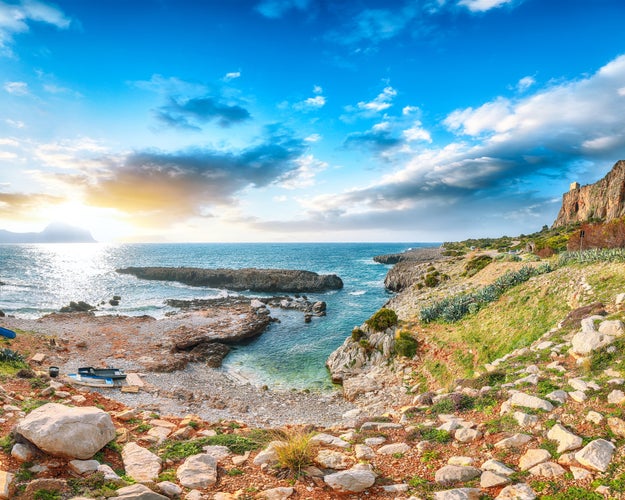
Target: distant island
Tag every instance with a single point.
(57, 232)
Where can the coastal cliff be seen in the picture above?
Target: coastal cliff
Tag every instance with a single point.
(604, 200)
(255, 280)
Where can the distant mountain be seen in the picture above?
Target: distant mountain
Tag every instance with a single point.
(57, 232)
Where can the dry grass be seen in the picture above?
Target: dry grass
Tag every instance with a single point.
(298, 451)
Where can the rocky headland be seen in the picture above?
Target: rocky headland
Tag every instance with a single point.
(255, 280)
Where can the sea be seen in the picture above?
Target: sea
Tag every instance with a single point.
(38, 279)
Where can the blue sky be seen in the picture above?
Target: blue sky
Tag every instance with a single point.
(305, 120)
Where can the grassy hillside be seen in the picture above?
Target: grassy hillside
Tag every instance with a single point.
(452, 350)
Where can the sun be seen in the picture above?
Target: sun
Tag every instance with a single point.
(105, 224)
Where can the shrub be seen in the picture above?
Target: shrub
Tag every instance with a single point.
(431, 280)
(12, 357)
(406, 345)
(357, 334)
(476, 264)
(383, 319)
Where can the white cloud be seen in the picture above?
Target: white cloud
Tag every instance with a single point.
(417, 133)
(483, 5)
(489, 116)
(409, 110)
(16, 88)
(313, 138)
(383, 100)
(15, 123)
(17, 18)
(232, 76)
(525, 83)
(312, 103)
(304, 176)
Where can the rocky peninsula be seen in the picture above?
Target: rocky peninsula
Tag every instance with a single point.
(252, 279)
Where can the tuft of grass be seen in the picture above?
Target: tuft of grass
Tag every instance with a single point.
(297, 452)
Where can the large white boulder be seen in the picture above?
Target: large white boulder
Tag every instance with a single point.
(64, 431)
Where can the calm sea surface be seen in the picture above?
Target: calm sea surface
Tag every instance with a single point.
(40, 279)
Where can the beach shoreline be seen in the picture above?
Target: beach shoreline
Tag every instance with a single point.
(72, 340)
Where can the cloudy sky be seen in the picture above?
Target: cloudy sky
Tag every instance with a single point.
(305, 120)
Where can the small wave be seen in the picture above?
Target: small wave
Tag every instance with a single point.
(358, 292)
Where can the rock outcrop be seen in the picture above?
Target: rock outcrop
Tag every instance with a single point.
(255, 280)
(605, 199)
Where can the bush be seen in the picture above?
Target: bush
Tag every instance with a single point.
(431, 280)
(383, 319)
(406, 345)
(357, 334)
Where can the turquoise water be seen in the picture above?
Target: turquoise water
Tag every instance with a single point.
(40, 279)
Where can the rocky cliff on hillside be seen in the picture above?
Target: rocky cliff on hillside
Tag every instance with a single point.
(255, 280)
(605, 199)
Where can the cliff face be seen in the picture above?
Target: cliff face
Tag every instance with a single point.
(605, 199)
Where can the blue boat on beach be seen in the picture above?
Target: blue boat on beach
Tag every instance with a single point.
(5, 332)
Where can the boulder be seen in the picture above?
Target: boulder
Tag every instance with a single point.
(529, 401)
(533, 457)
(67, 432)
(520, 491)
(198, 471)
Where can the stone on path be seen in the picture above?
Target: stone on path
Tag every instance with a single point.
(391, 449)
(596, 455)
(198, 471)
(497, 466)
(357, 479)
(140, 463)
(281, 493)
(71, 432)
(565, 438)
(520, 491)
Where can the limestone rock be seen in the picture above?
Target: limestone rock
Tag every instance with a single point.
(137, 492)
(354, 480)
(617, 426)
(596, 455)
(391, 449)
(533, 457)
(169, 489)
(459, 494)
(23, 452)
(616, 397)
(497, 467)
(547, 469)
(330, 459)
(529, 401)
(520, 491)
(82, 467)
(456, 474)
(490, 479)
(467, 435)
(198, 471)
(276, 493)
(140, 464)
(269, 455)
(363, 452)
(6, 480)
(565, 438)
(514, 441)
(67, 432)
(329, 440)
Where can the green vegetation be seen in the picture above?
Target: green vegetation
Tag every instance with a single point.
(476, 264)
(406, 345)
(454, 308)
(94, 486)
(383, 319)
(47, 495)
(11, 362)
(592, 256)
(357, 334)
(429, 434)
(177, 450)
